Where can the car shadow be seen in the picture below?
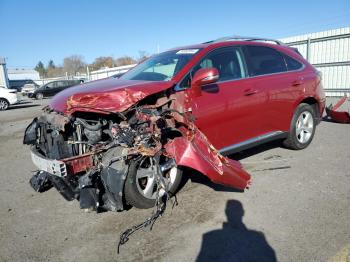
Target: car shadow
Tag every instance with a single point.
(235, 242)
(20, 106)
(197, 177)
(255, 150)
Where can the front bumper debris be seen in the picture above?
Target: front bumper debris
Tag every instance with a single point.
(51, 166)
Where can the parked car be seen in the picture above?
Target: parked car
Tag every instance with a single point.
(29, 89)
(19, 84)
(7, 97)
(122, 141)
(53, 88)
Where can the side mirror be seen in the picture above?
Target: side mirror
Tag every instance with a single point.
(202, 77)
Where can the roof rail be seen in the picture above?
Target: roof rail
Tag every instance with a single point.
(244, 38)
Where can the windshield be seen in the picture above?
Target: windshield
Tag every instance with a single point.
(161, 67)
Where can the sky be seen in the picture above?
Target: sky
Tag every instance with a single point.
(44, 30)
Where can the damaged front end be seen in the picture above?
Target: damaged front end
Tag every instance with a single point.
(111, 160)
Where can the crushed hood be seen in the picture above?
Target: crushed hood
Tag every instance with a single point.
(113, 95)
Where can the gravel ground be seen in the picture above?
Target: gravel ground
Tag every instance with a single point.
(297, 209)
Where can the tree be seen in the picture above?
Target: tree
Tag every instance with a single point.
(102, 61)
(74, 64)
(41, 69)
(51, 64)
(124, 60)
(142, 56)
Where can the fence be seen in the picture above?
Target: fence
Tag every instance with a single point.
(107, 72)
(329, 52)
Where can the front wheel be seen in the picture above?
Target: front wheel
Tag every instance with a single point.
(140, 186)
(302, 128)
(4, 104)
(39, 96)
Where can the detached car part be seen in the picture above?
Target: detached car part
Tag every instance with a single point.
(338, 116)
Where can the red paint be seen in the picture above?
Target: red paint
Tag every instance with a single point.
(338, 116)
(105, 95)
(199, 154)
(78, 164)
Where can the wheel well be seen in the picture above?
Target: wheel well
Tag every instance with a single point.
(314, 103)
(2, 98)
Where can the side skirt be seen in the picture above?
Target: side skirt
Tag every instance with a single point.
(253, 142)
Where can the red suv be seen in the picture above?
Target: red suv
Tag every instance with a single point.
(117, 142)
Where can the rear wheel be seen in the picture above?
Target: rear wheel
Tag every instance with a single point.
(4, 104)
(141, 187)
(39, 96)
(302, 128)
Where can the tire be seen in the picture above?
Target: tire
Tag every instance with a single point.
(4, 104)
(133, 190)
(39, 96)
(302, 128)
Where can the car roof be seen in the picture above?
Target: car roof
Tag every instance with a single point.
(234, 40)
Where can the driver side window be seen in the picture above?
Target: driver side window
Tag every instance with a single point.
(228, 61)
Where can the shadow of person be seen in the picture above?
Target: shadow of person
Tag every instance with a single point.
(235, 242)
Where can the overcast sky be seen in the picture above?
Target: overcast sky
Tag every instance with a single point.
(44, 30)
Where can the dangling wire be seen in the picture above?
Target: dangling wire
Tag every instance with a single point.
(160, 205)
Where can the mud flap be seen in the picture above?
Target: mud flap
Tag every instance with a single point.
(197, 153)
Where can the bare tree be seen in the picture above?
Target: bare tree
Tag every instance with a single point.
(73, 64)
(124, 60)
(101, 62)
(143, 55)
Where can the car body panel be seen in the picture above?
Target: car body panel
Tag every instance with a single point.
(9, 94)
(109, 95)
(199, 154)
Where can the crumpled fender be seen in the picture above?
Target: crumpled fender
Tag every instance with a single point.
(197, 153)
(338, 116)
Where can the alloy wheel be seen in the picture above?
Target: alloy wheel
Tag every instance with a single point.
(304, 127)
(3, 104)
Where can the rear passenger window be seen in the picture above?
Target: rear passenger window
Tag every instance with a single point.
(264, 60)
(292, 64)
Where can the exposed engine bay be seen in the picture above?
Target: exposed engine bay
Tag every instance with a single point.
(114, 160)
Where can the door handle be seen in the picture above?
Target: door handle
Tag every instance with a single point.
(298, 82)
(250, 92)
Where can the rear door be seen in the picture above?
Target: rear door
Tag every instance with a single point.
(269, 74)
(228, 112)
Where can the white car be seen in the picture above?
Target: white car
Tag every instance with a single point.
(7, 97)
(28, 89)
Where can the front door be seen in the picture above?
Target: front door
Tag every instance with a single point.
(229, 111)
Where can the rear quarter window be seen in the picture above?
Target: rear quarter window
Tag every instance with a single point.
(292, 64)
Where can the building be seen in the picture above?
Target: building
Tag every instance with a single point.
(3, 73)
(21, 74)
(329, 52)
